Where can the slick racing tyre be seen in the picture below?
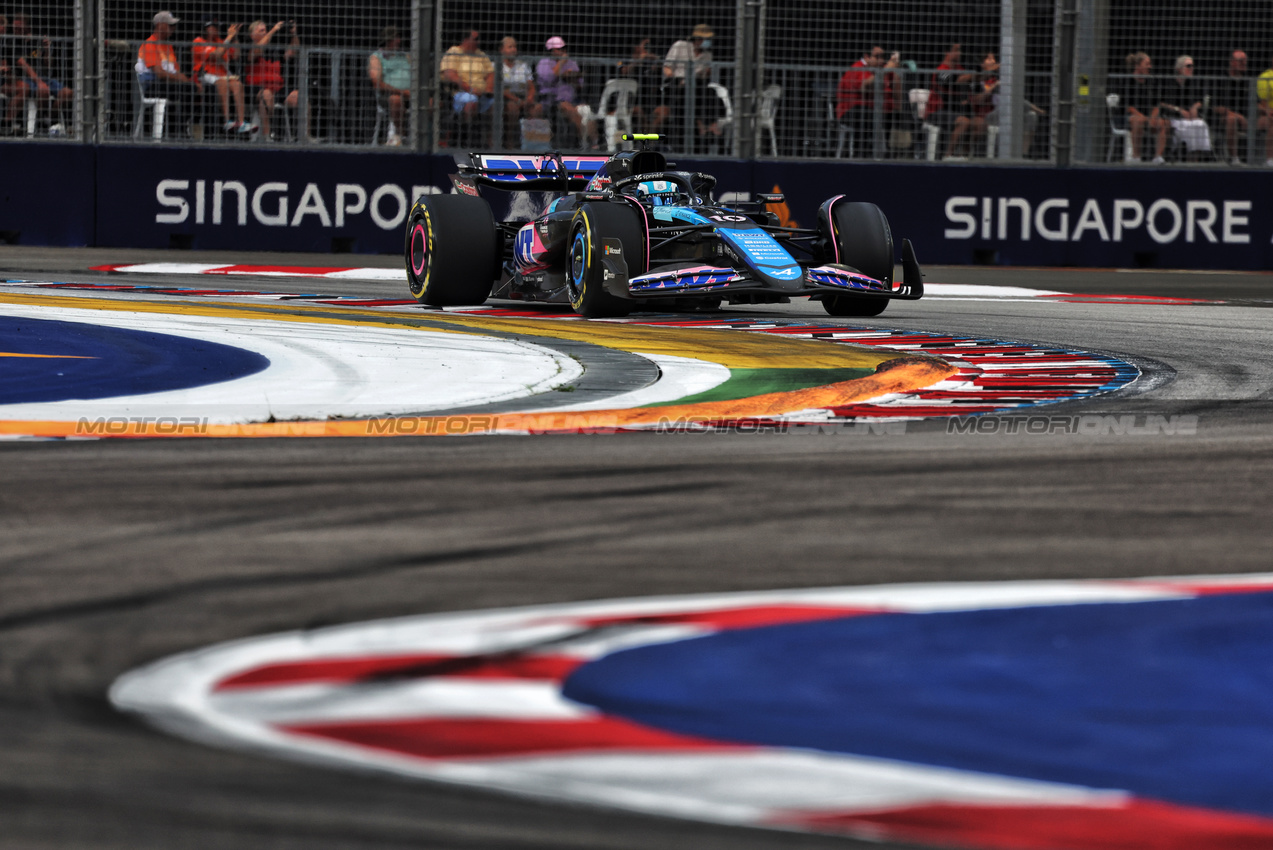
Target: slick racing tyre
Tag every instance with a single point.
(593, 225)
(865, 242)
(452, 250)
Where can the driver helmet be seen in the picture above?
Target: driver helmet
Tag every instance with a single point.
(659, 192)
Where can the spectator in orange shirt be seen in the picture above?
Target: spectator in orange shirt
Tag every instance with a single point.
(160, 74)
(211, 67)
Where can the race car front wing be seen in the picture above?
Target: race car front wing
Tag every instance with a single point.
(823, 279)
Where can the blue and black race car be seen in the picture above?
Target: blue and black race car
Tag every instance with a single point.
(614, 233)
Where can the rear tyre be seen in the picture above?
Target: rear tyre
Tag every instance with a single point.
(865, 242)
(585, 268)
(451, 250)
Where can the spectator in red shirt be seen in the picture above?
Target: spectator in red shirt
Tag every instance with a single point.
(855, 98)
(948, 102)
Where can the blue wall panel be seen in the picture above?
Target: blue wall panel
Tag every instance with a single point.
(46, 193)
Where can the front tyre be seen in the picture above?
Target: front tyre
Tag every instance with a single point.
(585, 266)
(859, 306)
(864, 241)
(451, 250)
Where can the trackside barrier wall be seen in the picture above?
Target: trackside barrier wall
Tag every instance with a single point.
(277, 200)
(46, 194)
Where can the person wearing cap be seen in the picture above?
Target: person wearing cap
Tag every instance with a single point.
(211, 61)
(389, 70)
(692, 53)
(160, 74)
(470, 75)
(557, 75)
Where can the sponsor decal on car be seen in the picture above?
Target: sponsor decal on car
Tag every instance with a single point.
(697, 278)
(537, 166)
(831, 276)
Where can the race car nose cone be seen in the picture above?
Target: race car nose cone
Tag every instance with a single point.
(786, 278)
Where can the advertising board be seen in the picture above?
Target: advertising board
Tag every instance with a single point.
(345, 201)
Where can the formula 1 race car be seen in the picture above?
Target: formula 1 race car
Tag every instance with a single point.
(615, 233)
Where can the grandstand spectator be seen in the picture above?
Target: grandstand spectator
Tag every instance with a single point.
(519, 91)
(855, 98)
(1264, 90)
(389, 70)
(948, 101)
(1183, 98)
(982, 101)
(1140, 97)
(160, 74)
(211, 63)
(33, 65)
(985, 104)
(1229, 104)
(265, 71)
(469, 75)
(692, 54)
(10, 86)
(558, 75)
(648, 111)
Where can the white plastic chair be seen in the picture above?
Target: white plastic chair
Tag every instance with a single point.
(767, 114)
(1116, 132)
(919, 102)
(140, 102)
(842, 134)
(726, 123)
(33, 109)
(614, 111)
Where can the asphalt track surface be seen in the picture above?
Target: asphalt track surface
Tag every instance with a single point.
(116, 553)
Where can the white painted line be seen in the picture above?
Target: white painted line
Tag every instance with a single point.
(409, 699)
(172, 268)
(396, 275)
(965, 290)
(755, 786)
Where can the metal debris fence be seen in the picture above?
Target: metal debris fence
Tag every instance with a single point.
(1061, 81)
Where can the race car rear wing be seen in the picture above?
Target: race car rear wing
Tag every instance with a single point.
(516, 173)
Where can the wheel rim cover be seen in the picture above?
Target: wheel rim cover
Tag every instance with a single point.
(578, 254)
(419, 250)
